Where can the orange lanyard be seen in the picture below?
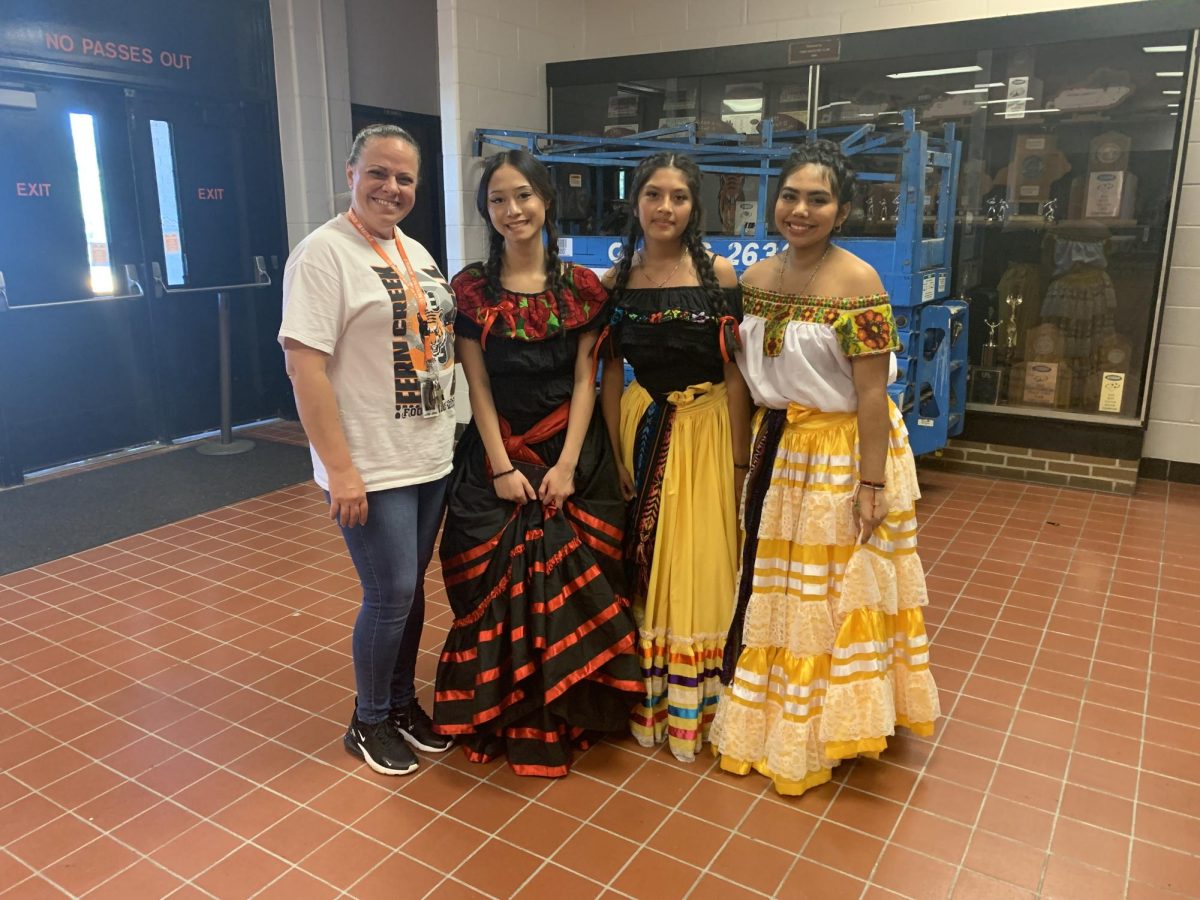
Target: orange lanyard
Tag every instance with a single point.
(412, 284)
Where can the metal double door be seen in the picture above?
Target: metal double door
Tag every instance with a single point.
(121, 213)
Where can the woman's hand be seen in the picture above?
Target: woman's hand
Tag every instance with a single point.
(557, 485)
(347, 497)
(870, 509)
(628, 491)
(514, 487)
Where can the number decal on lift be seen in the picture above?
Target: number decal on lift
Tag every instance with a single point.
(741, 253)
(747, 253)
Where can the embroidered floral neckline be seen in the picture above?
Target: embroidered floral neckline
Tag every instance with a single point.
(774, 297)
(862, 325)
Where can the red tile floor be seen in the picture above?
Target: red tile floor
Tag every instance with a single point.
(172, 704)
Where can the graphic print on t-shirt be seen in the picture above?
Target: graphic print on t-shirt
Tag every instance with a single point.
(415, 340)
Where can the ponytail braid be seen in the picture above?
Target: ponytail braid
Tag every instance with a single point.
(625, 261)
(556, 282)
(703, 265)
(491, 266)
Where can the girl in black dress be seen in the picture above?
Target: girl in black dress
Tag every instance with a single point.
(540, 655)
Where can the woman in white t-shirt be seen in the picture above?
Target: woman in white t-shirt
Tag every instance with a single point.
(368, 337)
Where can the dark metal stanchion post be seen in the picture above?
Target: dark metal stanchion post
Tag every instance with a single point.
(227, 445)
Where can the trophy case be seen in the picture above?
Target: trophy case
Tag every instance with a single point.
(1062, 250)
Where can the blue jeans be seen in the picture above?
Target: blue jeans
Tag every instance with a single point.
(391, 552)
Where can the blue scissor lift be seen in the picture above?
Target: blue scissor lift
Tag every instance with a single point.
(932, 384)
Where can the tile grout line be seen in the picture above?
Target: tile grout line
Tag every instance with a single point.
(1137, 784)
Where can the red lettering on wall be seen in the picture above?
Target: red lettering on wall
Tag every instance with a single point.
(122, 52)
(210, 193)
(63, 42)
(175, 60)
(33, 189)
(113, 50)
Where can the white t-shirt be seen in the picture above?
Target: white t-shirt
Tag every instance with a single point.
(340, 298)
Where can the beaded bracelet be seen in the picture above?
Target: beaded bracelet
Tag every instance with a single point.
(876, 485)
(502, 474)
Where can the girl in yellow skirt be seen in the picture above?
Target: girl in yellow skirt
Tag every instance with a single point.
(681, 432)
(827, 653)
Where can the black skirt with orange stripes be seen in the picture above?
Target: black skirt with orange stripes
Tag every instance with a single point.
(541, 656)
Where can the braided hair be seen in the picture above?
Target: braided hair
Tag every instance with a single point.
(829, 156)
(543, 185)
(692, 238)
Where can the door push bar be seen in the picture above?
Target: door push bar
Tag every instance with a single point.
(133, 290)
(261, 279)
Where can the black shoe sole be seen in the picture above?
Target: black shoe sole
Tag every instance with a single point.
(356, 750)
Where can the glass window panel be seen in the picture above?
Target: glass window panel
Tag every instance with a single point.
(168, 201)
(87, 164)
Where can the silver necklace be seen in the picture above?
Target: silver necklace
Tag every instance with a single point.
(663, 283)
(783, 266)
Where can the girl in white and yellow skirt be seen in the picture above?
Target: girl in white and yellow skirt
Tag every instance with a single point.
(827, 652)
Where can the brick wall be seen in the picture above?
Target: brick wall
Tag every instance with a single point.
(1096, 473)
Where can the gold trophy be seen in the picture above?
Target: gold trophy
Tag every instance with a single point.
(1013, 301)
(987, 358)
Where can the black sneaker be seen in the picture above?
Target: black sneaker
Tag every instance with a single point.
(380, 747)
(415, 726)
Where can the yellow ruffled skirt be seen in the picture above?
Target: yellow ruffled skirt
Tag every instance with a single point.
(684, 617)
(835, 649)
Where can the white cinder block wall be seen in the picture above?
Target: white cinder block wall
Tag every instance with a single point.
(492, 64)
(619, 27)
(1174, 431)
(312, 81)
(492, 67)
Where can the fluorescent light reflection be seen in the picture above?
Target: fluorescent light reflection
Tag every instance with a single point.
(929, 73)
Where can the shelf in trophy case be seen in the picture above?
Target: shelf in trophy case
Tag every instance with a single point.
(1037, 223)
